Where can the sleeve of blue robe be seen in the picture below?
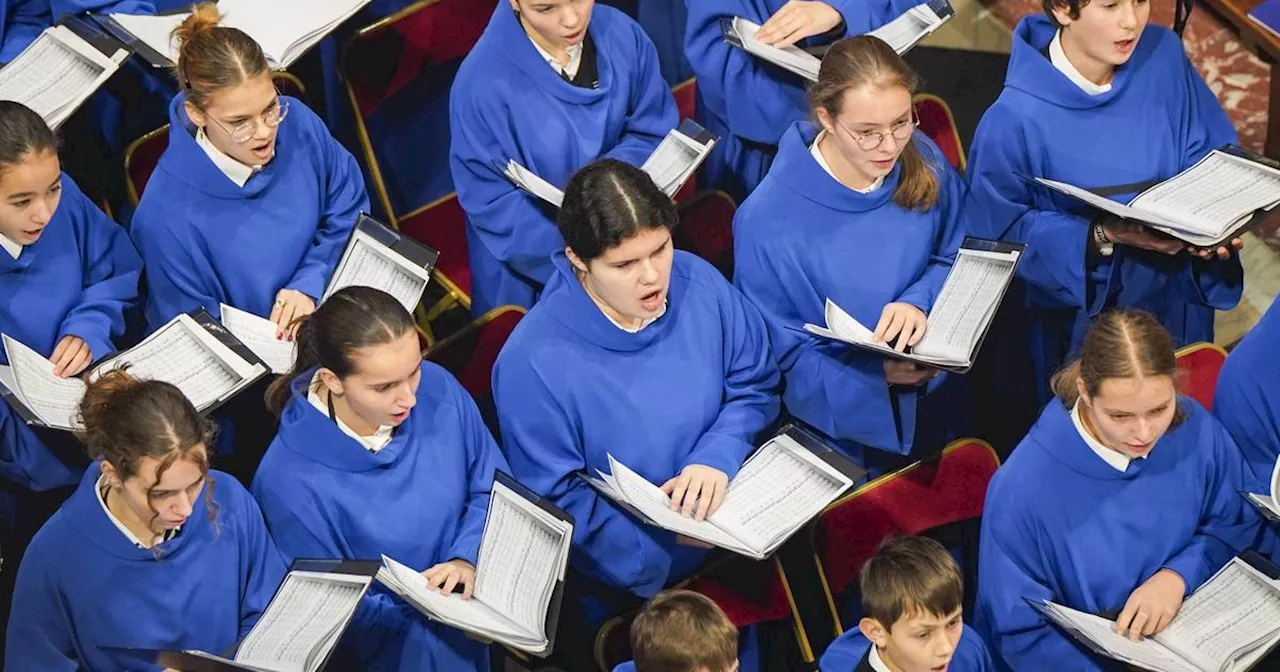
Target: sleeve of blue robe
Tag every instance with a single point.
(652, 112)
(751, 387)
(1003, 209)
(546, 455)
(345, 199)
(24, 22)
(25, 460)
(178, 273)
(39, 635)
(483, 459)
(65, 7)
(111, 270)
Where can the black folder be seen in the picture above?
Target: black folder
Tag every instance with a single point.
(193, 662)
(416, 252)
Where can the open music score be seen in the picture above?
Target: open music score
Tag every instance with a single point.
(57, 73)
(378, 257)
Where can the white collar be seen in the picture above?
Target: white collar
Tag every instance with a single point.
(133, 538)
(643, 323)
(1119, 461)
(373, 444)
(574, 52)
(12, 247)
(822, 161)
(1060, 61)
(874, 659)
(234, 170)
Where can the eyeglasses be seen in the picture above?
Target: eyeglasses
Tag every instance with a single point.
(868, 141)
(243, 131)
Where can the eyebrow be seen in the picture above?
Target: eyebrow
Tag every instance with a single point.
(29, 194)
(650, 253)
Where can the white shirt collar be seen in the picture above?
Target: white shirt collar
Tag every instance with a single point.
(822, 161)
(1119, 461)
(643, 323)
(373, 444)
(13, 248)
(1060, 61)
(133, 538)
(575, 58)
(234, 170)
(874, 660)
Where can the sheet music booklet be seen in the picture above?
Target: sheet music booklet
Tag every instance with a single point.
(57, 72)
(1213, 201)
(1268, 505)
(286, 29)
(1229, 624)
(961, 314)
(670, 166)
(520, 572)
(259, 335)
(902, 33)
(378, 257)
(193, 352)
(781, 487)
(299, 629)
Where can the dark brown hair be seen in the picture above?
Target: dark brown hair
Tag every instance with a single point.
(1123, 343)
(907, 576)
(351, 319)
(1071, 7)
(861, 61)
(607, 202)
(683, 631)
(22, 132)
(212, 57)
(124, 419)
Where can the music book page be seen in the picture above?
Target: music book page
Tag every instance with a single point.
(259, 335)
(651, 501)
(1230, 614)
(55, 401)
(777, 491)
(1102, 632)
(154, 31)
(791, 58)
(368, 263)
(675, 158)
(967, 302)
(530, 182)
(1099, 202)
(522, 556)
(470, 614)
(303, 621)
(286, 29)
(1212, 196)
(908, 28)
(56, 73)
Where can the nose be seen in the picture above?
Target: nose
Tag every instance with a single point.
(42, 211)
(649, 273)
(1128, 15)
(1145, 431)
(570, 19)
(183, 505)
(889, 143)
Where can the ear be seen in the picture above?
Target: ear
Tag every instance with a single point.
(824, 118)
(515, 6)
(1062, 15)
(330, 381)
(195, 114)
(1084, 394)
(574, 259)
(113, 476)
(874, 631)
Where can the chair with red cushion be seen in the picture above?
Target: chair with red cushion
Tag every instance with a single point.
(937, 122)
(471, 353)
(442, 225)
(1198, 368)
(706, 229)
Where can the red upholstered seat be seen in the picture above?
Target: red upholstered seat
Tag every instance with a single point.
(443, 226)
(1198, 368)
(937, 122)
(471, 353)
(706, 228)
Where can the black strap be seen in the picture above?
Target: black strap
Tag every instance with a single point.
(1181, 13)
(1124, 188)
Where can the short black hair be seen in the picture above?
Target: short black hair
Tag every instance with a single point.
(607, 202)
(22, 131)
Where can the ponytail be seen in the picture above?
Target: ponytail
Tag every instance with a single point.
(279, 391)
(212, 57)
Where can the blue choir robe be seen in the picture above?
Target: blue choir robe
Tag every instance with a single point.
(1063, 525)
(83, 585)
(1158, 118)
(421, 500)
(21, 22)
(794, 238)
(852, 648)
(1247, 398)
(206, 241)
(77, 279)
(748, 103)
(507, 103)
(697, 386)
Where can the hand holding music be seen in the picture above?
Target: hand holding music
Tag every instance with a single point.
(70, 357)
(690, 541)
(698, 485)
(1222, 252)
(443, 577)
(902, 372)
(901, 321)
(797, 20)
(1125, 232)
(1152, 605)
(290, 305)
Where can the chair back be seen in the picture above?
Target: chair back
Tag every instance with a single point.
(442, 225)
(471, 353)
(937, 122)
(1198, 367)
(706, 229)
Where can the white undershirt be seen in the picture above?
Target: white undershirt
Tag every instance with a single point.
(874, 660)
(570, 69)
(1119, 461)
(822, 161)
(12, 247)
(234, 170)
(1060, 61)
(373, 443)
(101, 487)
(643, 323)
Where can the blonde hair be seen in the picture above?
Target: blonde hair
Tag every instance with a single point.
(683, 631)
(867, 61)
(213, 57)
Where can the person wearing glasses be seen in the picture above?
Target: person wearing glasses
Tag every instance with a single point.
(1098, 98)
(861, 209)
(253, 200)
